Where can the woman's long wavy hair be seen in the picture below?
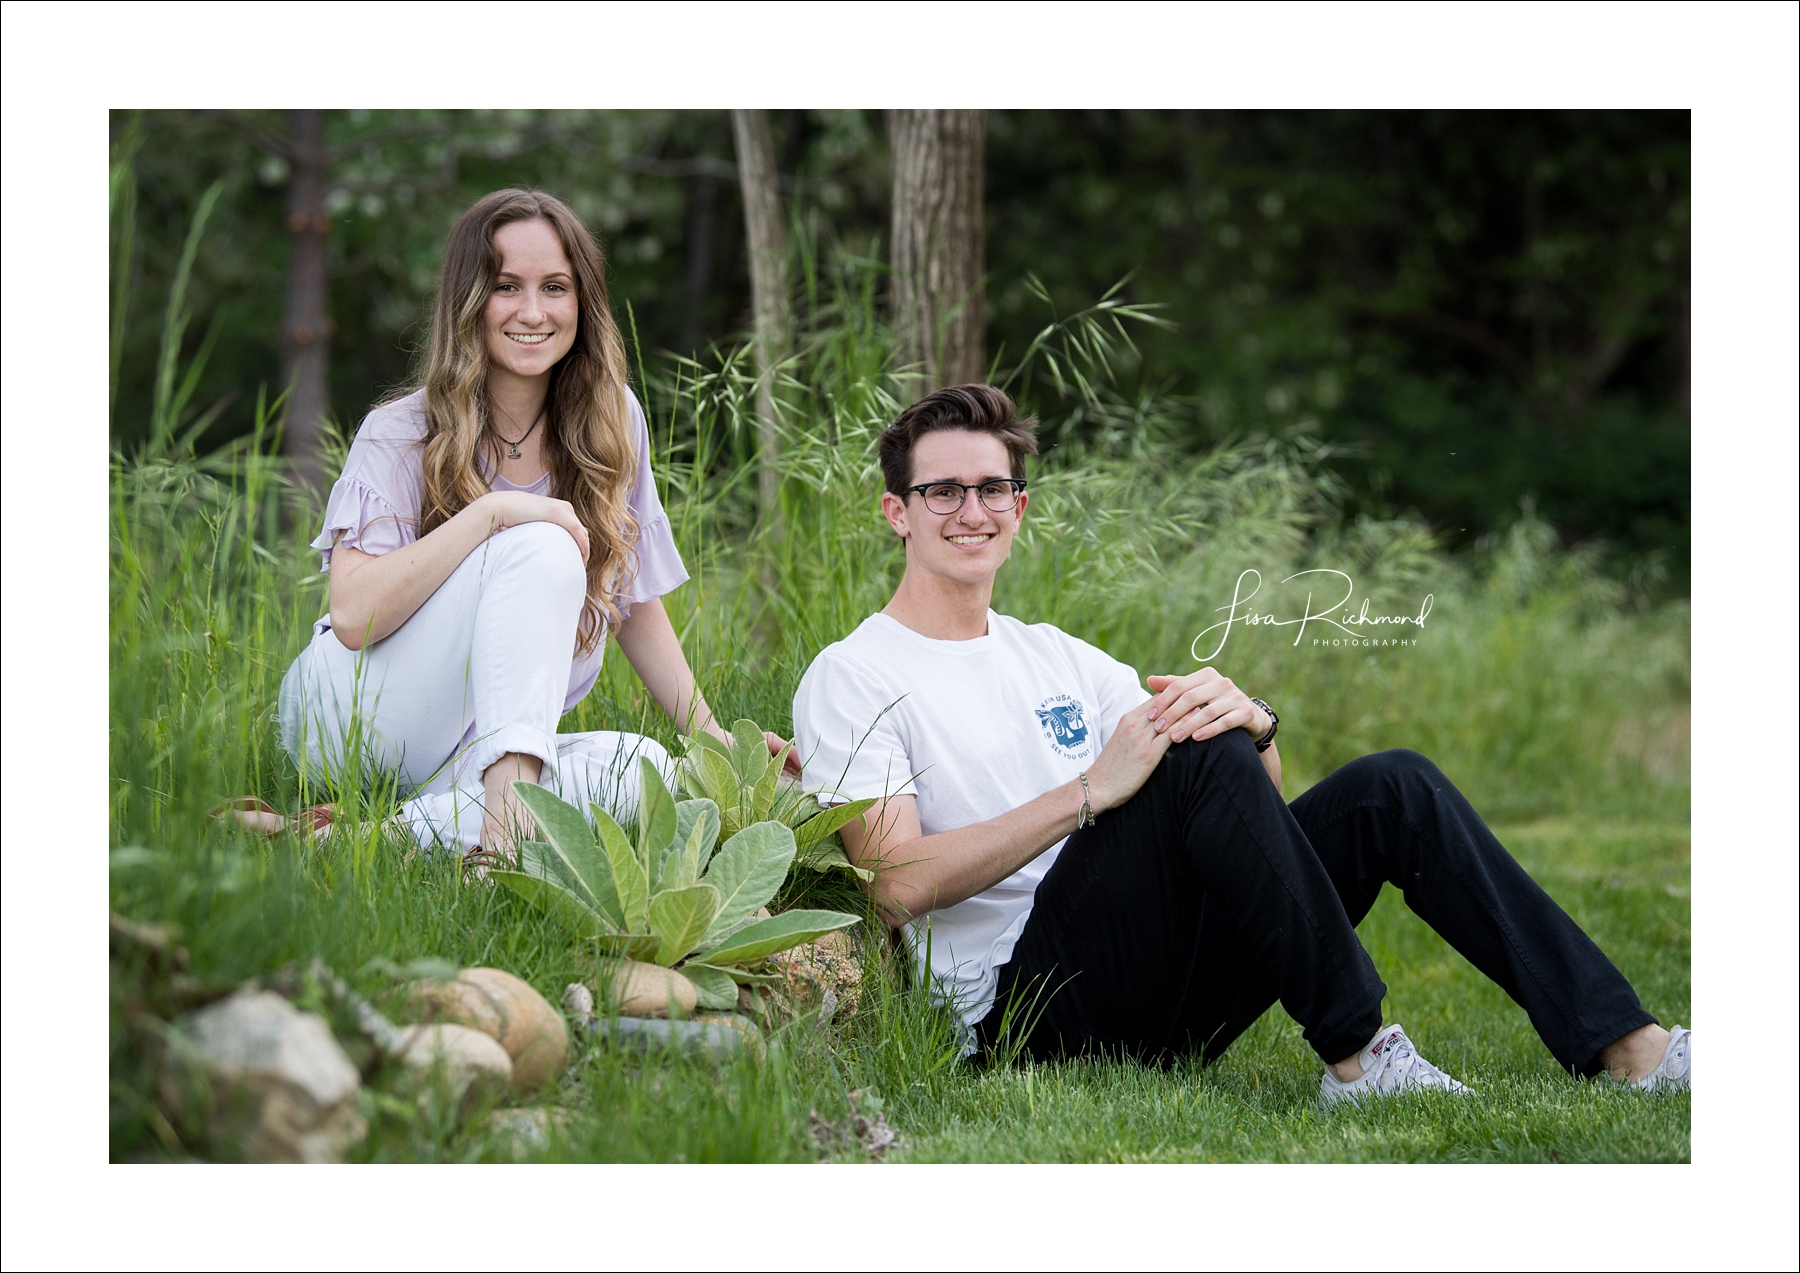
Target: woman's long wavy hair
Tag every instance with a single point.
(589, 444)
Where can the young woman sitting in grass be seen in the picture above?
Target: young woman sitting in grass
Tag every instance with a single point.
(489, 530)
(1106, 868)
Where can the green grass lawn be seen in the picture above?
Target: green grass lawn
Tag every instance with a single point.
(1542, 688)
(1627, 887)
(249, 907)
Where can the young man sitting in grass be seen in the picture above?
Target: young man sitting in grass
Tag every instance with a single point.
(1121, 865)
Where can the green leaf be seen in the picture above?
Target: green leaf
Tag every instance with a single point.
(748, 870)
(816, 829)
(561, 822)
(696, 832)
(639, 946)
(717, 991)
(557, 902)
(793, 806)
(749, 753)
(706, 740)
(591, 880)
(828, 855)
(743, 976)
(629, 877)
(656, 815)
(763, 800)
(540, 858)
(572, 839)
(713, 776)
(680, 917)
(767, 936)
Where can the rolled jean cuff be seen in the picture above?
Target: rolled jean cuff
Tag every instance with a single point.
(489, 747)
(1617, 1029)
(1348, 1038)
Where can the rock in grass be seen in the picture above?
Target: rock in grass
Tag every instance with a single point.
(647, 990)
(714, 1039)
(578, 1002)
(507, 1010)
(746, 1030)
(470, 1063)
(519, 1132)
(277, 1087)
(532, 1032)
(826, 974)
(456, 1001)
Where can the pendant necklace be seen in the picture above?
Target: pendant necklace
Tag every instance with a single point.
(512, 448)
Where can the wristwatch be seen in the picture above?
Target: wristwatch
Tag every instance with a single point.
(1268, 739)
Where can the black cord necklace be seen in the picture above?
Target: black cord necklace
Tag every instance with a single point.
(512, 448)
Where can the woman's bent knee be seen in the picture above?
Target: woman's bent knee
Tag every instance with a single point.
(541, 548)
(540, 553)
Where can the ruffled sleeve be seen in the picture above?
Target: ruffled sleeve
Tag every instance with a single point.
(374, 504)
(659, 568)
(358, 517)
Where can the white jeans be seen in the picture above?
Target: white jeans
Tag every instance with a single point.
(480, 670)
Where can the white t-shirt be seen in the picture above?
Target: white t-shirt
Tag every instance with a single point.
(974, 729)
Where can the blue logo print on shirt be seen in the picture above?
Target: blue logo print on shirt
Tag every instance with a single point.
(1065, 725)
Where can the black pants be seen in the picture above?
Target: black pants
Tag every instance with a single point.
(1180, 917)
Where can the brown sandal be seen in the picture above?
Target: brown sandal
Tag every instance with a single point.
(316, 820)
(256, 814)
(478, 861)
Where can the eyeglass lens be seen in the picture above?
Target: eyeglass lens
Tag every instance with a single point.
(996, 497)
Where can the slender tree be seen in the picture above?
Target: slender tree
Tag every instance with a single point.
(768, 283)
(939, 243)
(703, 201)
(306, 332)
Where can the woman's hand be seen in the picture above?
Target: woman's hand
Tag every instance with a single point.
(515, 508)
(1203, 705)
(775, 743)
(1129, 757)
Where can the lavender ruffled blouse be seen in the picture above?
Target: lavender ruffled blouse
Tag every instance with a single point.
(374, 508)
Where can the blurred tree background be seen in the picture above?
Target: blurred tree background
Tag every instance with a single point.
(1473, 308)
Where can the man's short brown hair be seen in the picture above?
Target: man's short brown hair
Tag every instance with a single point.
(974, 408)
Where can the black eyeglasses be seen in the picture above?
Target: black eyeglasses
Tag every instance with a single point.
(997, 495)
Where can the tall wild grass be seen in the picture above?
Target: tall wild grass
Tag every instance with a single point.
(1542, 688)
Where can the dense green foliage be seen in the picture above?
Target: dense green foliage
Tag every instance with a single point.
(1471, 308)
(681, 891)
(1546, 691)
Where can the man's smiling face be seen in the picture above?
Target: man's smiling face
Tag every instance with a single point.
(969, 545)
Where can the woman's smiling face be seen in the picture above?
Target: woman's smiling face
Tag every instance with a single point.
(532, 311)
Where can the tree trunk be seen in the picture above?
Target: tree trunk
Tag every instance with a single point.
(703, 202)
(767, 236)
(939, 244)
(306, 332)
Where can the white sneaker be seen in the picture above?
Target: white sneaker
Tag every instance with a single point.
(1674, 1072)
(1390, 1066)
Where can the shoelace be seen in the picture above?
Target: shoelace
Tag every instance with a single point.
(1402, 1065)
(1397, 1060)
